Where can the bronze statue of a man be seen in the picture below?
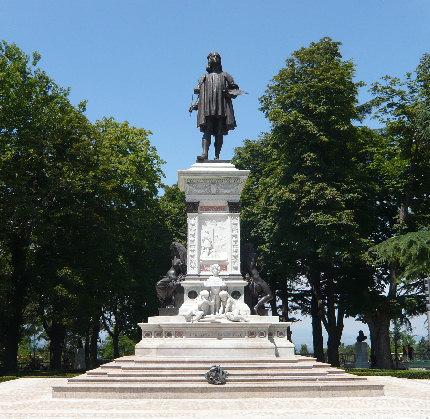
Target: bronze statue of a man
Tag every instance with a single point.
(215, 115)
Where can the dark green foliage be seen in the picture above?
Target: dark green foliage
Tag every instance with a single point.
(401, 164)
(410, 252)
(174, 214)
(125, 346)
(323, 191)
(304, 350)
(301, 201)
(422, 346)
(79, 216)
(414, 375)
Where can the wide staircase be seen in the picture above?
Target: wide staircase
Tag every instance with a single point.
(184, 378)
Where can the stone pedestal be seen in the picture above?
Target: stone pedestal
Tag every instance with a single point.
(361, 355)
(212, 194)
(79, 361)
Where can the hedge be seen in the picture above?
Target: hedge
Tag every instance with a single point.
(414, 374)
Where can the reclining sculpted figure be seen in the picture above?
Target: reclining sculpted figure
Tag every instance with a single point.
(232, 309)
(202, 307)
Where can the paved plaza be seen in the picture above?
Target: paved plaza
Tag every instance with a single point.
(31, 397)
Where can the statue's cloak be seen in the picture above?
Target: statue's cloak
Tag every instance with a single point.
(214, 101)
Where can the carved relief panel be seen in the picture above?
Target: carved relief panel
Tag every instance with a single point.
(192, 248)
(214, 235)
(227, 185)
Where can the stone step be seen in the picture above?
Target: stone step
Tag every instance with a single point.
(196, 360)
(207, 365)
(189, 373)
(233, 370)
(179, 377)
(204, 390)
(200, 378)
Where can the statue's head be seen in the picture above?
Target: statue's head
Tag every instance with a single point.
(215, 269)
(172, 274)
(214, 62)
(223, 295)
(204, 294)
(361, 337)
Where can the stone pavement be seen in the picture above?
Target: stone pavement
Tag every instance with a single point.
(31, 397)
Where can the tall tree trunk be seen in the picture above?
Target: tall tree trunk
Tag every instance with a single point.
(334, 326)
(333, 343)
(11, 339)
(56, 334)
(115, 342)
(94, 338)
(284, 315)
(87, 348)
(317, 336)
(16, 302)
(379, 327)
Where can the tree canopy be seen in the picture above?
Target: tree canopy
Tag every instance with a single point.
(79, 211)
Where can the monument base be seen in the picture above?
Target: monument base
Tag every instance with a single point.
(137, 377)
(173, 356)
(172, 336)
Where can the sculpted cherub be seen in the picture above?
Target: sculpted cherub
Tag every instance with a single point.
(232, 309)
(202, 307)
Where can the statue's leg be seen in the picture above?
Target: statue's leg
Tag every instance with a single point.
(198, 316)
(206, 142)
(218, 145)
(262, 302)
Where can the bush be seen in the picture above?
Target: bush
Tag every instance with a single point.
(393, 373)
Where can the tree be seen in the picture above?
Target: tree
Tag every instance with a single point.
(304, 190)
(127, 179)
(41, 138)
(402, 161)
(422, 347)
(125, 347)
(79, 212)
(174, 213)
(304, 350)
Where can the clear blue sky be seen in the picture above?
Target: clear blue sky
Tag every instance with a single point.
(139, 60)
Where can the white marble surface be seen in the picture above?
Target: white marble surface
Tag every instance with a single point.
(173, 336)
(213, 231)
(31, 398)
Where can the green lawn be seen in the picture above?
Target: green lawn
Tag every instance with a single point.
(39, 374)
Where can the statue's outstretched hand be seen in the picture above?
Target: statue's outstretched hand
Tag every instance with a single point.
(192, 108)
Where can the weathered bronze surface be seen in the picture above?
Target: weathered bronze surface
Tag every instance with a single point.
(215, 115)
(169, 288)
(257, 292)
(216, 375)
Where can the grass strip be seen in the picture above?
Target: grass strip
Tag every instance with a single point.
(40, 374)
(411, 374)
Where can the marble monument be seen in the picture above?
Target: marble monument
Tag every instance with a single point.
(213, 319)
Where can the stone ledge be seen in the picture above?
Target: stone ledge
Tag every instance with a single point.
(207, 391)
